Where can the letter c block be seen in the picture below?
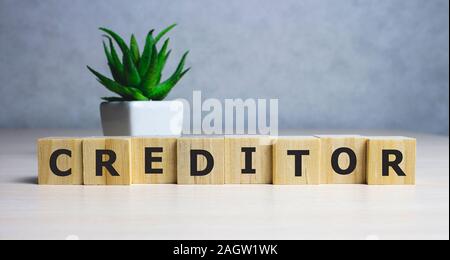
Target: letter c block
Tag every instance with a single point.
(201, 160)
(107, 161)
(60, 161)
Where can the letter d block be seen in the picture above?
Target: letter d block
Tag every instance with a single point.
(200, 160)
(248, 160)
(391, 161)
(60, 161)
(296, 161)
(343, 159)
(154, 160)
(107, 161)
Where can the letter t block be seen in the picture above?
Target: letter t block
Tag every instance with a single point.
(391, 161)
(296, 161)
(201, 160)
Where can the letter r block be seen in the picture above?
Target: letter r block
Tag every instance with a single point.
(107, 161)
(60, 161)
(391, 161)
(200, 160)
(296, 160)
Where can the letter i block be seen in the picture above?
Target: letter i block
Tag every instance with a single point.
(343, 159)
(60, 161)
(296, 160)
(391, 161)
(201, 160)
(154, 160)
(248, 160)
(107, 161)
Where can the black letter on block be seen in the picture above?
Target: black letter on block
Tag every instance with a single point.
(335, 161)
(53, 162)
(248, 160)
(395, 165)
(298, 160)
(149, 160)
(100, 164)
(209, 162)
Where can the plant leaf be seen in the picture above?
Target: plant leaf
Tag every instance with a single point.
(112, 66)
(163, 65)
(115, 99)
(160, 63)
(107, 53)
(161, 91)
(114, 55)
(123, 46)
(163, 32)
(134, 47)
(181, 64)
(146, 54)
(117, 64)
(123, 91)
(148, 81)
(163, 51)
(131, 74)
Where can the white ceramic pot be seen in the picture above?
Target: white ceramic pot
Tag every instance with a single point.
(142, 118)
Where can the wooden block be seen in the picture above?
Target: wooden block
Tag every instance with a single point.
(201, 160)
(343, 159)
(391, 161)
(296, 160)
(154, 160)
(107, 161)
(60, 161)
(248, 160)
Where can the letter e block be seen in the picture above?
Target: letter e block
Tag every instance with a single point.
(391, 161)
(296, 160)
(248, 160)
(154, 160)
(107, 161)
(60, 161)
(200, 160)
(343, 159)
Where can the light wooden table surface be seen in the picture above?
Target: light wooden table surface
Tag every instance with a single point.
(29, 211)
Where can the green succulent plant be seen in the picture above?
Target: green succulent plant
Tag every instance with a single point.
(137, 77)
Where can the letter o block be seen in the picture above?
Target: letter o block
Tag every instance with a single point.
(60, 161)
(107, 161)
(200, 160)
(391, 161)
(343, 159)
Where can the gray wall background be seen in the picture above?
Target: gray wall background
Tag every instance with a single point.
(359, 64)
